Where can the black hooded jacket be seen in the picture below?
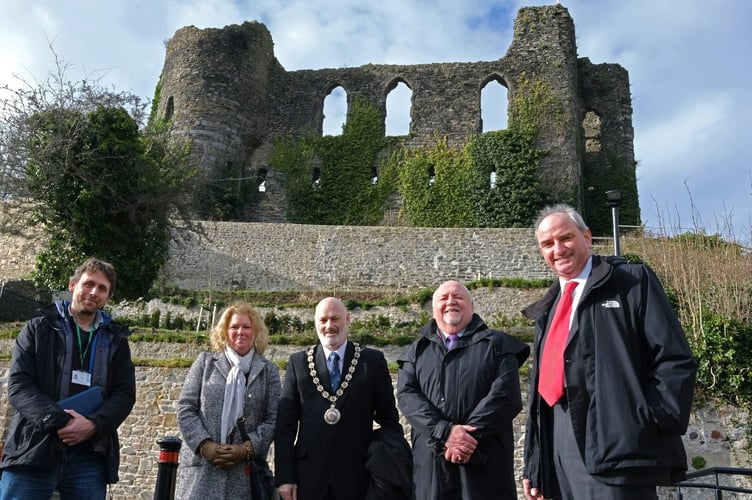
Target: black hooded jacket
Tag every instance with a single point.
(34, 387)
(475, 383)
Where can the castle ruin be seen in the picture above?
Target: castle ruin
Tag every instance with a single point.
(225, 90)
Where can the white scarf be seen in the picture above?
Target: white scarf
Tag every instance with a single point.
(232, 407)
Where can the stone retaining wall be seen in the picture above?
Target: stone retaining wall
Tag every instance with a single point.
(717, 433)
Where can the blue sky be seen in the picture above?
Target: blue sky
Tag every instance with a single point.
(688, 66)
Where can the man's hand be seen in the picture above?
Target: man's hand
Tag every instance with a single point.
(288, 491)
(460, 444)
(77, 430)
(531, 493)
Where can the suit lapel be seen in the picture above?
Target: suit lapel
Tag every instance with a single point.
(321, 369)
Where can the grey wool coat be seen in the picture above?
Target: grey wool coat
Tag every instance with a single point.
(199, 417)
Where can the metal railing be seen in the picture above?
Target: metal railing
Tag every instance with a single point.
(716, 486)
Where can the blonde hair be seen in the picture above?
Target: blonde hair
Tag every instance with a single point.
(260, 331)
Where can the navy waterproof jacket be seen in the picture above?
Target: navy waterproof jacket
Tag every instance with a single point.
(629, 376)
(475, 383)
(34, 386)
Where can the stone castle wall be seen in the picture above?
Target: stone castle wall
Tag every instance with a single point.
(226, 91)
(266, 256)
(718, 434)
(259, 256)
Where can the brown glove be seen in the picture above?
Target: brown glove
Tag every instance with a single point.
(208, 449)
(242, 453)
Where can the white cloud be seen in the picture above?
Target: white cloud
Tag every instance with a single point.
(687, 63)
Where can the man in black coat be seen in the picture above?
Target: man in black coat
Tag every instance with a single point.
(323, 427)
(609, 401)
(71, 348)
(458, 386)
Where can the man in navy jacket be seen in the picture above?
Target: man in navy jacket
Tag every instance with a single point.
(628, 377)
(73, 346)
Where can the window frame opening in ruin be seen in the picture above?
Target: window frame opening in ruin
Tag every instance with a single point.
(316, 177)
(169, 109)
(431, 175)
(591, 131)
(398, 108)
(493, 177)
(334, 109)
(374, 176)
(261, 174)
(494, 109)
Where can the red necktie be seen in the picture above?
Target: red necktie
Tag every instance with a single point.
(551, 372)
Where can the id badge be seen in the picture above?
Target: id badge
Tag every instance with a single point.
(81, 377)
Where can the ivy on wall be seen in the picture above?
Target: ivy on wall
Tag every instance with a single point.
(335, 179)
(509, 192)
(601, 176)
(534, 106)
(462, 193)
(436, 185)
(342, 179)
(225, 192)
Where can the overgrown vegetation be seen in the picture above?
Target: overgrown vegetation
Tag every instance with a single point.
(335, 179)
(99, 185)
(436, 184)
(225, 192)
(708, 281)
(490, 181)
(507, 191)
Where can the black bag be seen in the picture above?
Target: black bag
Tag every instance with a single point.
(262, 479)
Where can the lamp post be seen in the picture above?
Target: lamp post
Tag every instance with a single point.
(613, 200)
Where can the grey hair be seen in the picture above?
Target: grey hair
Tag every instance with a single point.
(561, 208)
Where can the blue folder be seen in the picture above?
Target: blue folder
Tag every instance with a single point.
(84, 402)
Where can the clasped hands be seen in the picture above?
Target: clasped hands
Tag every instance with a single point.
(460, 445)
(226, 456)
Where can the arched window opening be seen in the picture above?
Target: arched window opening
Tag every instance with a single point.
(374, 176)
(431, 175)
(493, 178)
(316, 177)
(335, 111)
(261, 179)
(591, 129)
(493, 106)
(398, 107)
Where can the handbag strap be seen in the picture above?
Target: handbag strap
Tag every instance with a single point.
(241, 429)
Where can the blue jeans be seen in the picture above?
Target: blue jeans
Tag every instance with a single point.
(80, 476)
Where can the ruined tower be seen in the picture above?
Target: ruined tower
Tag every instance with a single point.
(225, 90)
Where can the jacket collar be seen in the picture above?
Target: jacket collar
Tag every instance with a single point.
(471, 330)
(602, 269)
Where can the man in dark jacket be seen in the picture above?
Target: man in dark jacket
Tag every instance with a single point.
(73, 346)
(606, 423)
(327, 411)
(458, 386)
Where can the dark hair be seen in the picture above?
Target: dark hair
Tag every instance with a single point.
(93, 265)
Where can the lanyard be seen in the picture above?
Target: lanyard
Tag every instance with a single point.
(81, 350)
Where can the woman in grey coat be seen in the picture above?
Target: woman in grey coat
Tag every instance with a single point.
(233, 381)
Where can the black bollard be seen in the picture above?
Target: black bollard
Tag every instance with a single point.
(169, 451)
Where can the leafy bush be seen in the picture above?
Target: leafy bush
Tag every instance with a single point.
(707, 281)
